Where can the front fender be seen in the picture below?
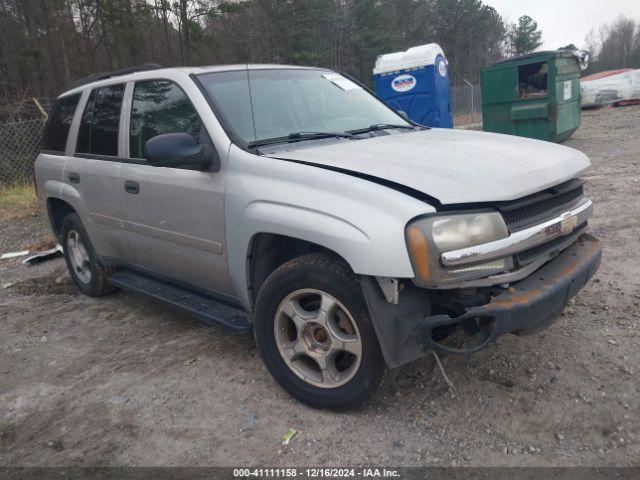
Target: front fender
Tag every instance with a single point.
(360, 220)
(305, 223)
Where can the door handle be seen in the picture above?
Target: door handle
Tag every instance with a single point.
(131, 187)
(74, 177)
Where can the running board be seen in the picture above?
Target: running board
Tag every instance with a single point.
(205, 309)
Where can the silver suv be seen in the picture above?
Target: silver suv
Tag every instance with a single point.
(291, 202)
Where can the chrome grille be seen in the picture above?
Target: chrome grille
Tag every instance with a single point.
(558, 244)
(537, 208)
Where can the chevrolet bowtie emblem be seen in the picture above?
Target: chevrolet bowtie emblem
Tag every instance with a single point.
(568, 223)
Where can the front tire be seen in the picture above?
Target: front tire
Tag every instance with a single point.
(314, 333)
(82, 261)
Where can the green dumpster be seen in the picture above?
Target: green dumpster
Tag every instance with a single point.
(535, 95)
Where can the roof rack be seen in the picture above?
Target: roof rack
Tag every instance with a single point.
(116, 73)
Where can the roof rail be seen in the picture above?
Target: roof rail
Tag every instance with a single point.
(116, 73)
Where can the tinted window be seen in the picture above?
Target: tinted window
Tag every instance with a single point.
(160, 106)
(55, 135)
(98, 132)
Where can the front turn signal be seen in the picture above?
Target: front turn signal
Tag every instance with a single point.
(419, 250)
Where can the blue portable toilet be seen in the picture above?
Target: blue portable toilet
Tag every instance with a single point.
(416, 82)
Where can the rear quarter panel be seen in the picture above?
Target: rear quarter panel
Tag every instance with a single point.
(49, 170)
(49, 174)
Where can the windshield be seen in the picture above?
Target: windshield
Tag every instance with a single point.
(266, 104)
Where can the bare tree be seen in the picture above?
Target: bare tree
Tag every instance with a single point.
(614, 46)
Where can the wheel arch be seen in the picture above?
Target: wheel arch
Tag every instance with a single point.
(57, 209)
(267, 251)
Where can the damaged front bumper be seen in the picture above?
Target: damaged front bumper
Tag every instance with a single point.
(529, 305)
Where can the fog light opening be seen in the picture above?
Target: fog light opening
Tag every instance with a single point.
(466, 335)
(479, 329)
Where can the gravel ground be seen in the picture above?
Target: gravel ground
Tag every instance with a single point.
(123, 381)
(19, 234)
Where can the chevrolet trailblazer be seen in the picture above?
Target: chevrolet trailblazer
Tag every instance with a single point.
(290, 201)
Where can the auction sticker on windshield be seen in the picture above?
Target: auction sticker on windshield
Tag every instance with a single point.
(341, 82)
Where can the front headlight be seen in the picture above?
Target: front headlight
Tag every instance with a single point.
(429, 237)
(460, 231)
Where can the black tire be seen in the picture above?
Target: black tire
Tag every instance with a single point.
(97, 286)
(321, 272)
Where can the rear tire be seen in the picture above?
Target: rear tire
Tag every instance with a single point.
(84, 266)
(314, 333)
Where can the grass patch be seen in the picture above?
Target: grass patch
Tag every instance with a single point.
(18, 201)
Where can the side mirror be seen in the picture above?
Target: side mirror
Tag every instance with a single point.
(180, 150)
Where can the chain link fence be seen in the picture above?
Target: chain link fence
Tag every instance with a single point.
(466, 104)
(19, 146)
(21, 126)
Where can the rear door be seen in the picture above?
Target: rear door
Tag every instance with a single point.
(92, 170)
(174, 217)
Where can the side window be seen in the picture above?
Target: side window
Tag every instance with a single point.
(55, 135)
(161, 106)
(98, 134)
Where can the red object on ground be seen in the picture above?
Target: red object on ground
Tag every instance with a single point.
(627, 103)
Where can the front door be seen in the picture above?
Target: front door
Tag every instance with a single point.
(173, 217)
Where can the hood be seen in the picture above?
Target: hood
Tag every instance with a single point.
(453, 166)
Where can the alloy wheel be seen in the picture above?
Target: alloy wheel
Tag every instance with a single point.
(79, 257)
(318, 338)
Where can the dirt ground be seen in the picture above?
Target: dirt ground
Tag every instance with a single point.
(123, 381)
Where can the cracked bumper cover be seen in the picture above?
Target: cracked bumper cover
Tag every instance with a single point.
(528, 306)
(531, 304)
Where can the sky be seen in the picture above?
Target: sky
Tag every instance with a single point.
(566, 21)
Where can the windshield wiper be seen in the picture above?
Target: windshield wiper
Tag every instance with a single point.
(380, 126)
(299, 136)
(306, 135)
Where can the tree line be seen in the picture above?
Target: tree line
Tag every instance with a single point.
(614, 46)
(46, 44)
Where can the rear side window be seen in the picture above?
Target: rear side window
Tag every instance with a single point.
(161, 106)
(98, 134)
(55, 135)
